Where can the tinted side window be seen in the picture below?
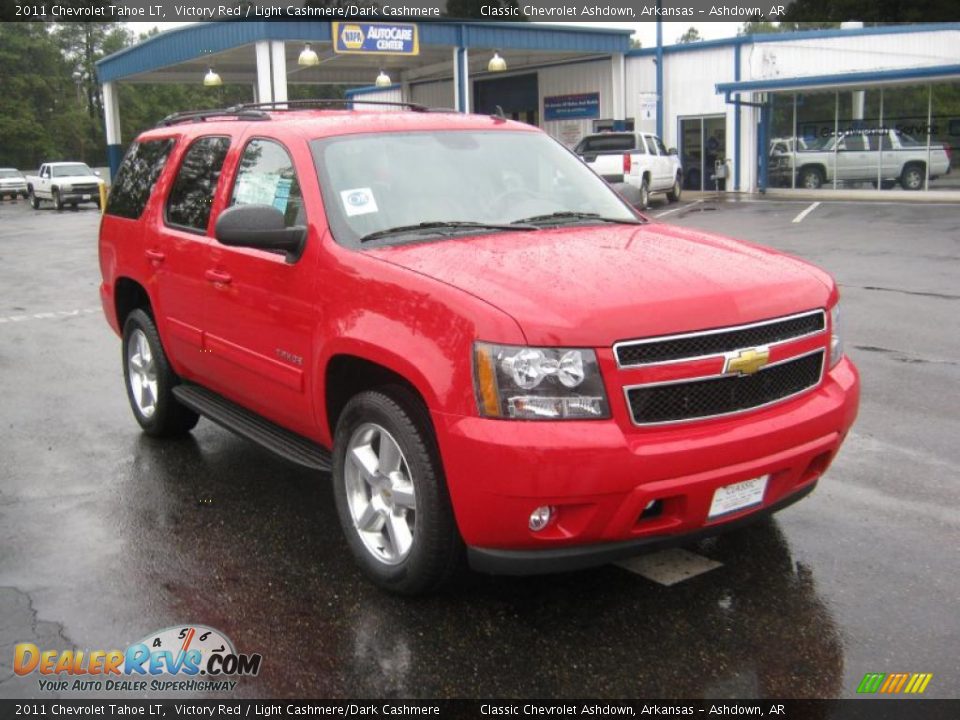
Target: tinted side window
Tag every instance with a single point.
(651, 148)
(193, 190)
(853, 143)
(660, 146)
(136, 177)
(266, 177)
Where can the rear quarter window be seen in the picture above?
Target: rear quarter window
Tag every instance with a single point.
(608, 143)
(136, 177)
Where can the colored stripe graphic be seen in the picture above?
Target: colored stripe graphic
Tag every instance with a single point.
(894, 683)
(871, 682)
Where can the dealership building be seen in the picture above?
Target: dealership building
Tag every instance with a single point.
(745, 113)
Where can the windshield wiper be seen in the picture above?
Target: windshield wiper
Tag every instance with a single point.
(563, 215)
(446, 225)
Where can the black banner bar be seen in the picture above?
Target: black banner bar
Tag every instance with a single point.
(859, 709)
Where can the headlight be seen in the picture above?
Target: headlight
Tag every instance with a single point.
(836, 336)
(527, 383)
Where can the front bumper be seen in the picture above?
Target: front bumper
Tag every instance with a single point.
(601, 476)
(20, 189)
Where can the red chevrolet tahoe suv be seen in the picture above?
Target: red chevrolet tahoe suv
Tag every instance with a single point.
(492, 354)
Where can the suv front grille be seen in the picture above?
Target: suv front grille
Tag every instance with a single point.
(703, 398)
(717, 342)
(86, 189)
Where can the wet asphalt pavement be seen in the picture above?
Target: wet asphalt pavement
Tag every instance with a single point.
(107, 535)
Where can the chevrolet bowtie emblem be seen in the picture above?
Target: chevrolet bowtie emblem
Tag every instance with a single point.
(746, 362)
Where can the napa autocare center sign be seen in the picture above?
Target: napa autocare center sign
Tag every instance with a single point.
(368, 38)
(571, 107)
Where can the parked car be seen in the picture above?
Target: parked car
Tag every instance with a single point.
(866, 156)
(12, 183)
(511, 366)
(64, 183)
(651, 168)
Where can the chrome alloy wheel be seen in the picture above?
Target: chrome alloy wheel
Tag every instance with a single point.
(142, 373)
(380, 493)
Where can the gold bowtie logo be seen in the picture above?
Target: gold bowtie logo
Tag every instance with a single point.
(746, 362)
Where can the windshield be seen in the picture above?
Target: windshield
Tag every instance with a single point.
(10, 174)
(372, 183)
(71, 170)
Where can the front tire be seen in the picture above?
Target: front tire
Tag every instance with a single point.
(150, 380)
(57, 200)
(673, 195)
(390, 492)
(34, 200)
(811, 178)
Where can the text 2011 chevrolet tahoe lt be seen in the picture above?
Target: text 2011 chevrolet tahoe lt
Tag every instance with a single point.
(493, 354)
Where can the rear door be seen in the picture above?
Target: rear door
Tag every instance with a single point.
(662, 166)
(261, 309)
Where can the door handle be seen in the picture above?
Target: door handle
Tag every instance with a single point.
(155, 256)
(216, 276)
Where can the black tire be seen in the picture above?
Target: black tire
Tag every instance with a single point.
(169, 417)
(913, 177)
(74, 205)
(673, 195)
(34, 200)
(25, 194)
(811, 178)
(436, 551)
(57, 200)
(644, 201)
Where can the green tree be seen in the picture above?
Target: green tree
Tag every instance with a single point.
(691, 35)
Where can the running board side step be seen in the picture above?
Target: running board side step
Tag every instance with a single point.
(243, 422)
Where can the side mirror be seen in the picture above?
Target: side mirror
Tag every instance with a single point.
(260, 227)
(672, 151)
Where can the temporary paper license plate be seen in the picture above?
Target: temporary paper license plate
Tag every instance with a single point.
(738, 496)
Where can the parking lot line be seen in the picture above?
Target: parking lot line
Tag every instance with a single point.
(802, 215)
(47, 315)
(682, 207)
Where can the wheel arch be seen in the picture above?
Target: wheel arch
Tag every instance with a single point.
(352, 371)
(130, 295)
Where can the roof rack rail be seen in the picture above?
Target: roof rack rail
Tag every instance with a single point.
(321, 102)
(203, 115)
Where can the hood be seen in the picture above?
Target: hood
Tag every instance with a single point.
(593, 286)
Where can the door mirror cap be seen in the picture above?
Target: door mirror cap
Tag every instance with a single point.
(261, 227)
(672, 151)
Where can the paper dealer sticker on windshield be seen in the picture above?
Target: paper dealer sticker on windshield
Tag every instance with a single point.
(358, 201)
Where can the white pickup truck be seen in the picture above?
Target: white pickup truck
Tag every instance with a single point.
(638, 160)
(64, 183)
(864, 156)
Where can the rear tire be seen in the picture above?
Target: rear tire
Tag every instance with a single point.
(913, 177)
(390, 492)
(644, 202)
(150, 380)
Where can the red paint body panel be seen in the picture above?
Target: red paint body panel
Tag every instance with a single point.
(266, 335)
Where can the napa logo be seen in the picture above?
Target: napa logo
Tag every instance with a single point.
(352, 37)
(185, 651)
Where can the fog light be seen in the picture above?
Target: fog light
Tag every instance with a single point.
(540, 517)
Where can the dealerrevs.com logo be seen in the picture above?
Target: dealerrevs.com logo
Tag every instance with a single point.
(183, 658)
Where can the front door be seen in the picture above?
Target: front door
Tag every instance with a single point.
(178, 250)
(261, 313)
(703, 142)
